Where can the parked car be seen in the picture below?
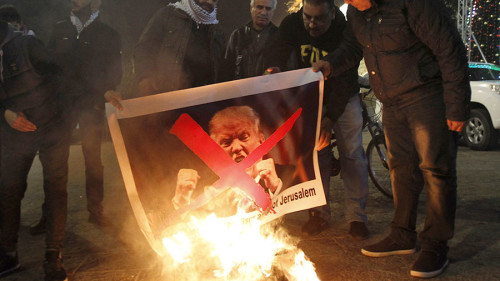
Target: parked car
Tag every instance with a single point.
(482, 130)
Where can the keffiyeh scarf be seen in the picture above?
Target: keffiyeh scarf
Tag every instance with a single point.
(197, 13)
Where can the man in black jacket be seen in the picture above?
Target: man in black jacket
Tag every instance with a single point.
(32, 122)
(248, 44)
(418, 70)
(89, 53)
(311, 34)
(181, 47)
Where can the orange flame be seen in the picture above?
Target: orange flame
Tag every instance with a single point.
(234, 248)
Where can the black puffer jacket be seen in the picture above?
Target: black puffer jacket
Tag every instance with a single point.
(411, 49)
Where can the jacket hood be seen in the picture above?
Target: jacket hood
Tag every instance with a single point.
(7, 32)
(4, 31)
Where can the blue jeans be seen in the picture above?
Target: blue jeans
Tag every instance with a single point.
(18, 152)
(421, 155)
(353, 163)
(348, 132)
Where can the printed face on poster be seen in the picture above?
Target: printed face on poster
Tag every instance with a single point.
(245, 146)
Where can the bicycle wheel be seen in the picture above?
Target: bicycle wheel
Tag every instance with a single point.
(378, 169)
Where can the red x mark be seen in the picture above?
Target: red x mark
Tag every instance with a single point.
(231, 174)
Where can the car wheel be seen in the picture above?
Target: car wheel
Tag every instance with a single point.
(478, 132)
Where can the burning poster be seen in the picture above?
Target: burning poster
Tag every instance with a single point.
(244, 148)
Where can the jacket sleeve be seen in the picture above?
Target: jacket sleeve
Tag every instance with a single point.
(40, 58)
(348, 54)
(114, 61)
(148, 46)
(429, 21)
(230, 56)
(283, 44)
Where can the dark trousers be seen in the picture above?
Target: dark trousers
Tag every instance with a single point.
(18, 151)
(91, 126)
(422, 155)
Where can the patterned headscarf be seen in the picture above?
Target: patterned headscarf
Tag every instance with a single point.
(197, 13)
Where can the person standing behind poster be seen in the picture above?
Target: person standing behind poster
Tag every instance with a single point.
(248, 44)
(311, 34)
(418, 70)
(180, 48)
(89, 53)
(32, 123)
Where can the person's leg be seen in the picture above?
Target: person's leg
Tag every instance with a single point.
(406, 185)
(91, 123)
(53, 154)
(17, 157)
(436, 146)
(353, 163)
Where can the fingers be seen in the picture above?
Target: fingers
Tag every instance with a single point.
(324, 140)
(22, 124)
(271, 70)
(455, 126)
(322, 66)
(114, 98)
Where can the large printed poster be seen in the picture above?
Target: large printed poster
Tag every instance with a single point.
(244, 147)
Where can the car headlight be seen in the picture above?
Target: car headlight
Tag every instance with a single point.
(495, 88)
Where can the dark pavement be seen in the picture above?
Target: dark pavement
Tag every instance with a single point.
(121, 253)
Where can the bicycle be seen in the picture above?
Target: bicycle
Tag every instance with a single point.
(376, 151)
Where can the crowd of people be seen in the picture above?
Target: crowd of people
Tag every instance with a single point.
(417, 66)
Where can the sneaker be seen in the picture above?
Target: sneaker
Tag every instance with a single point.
(100, 220)
(315, 225)
(387, 247)
(39, 227)
(358, 230)
(53, 266)
(8, 264)
(429, 264)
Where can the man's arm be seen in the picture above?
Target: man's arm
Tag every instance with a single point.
(283, 44)
(148, 47)
(429, 21)
(345, 57)
(230, 56)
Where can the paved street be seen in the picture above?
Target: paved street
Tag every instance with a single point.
(121, 253)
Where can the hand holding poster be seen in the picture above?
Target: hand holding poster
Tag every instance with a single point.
(242, 145)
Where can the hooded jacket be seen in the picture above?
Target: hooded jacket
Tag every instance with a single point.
(27, 77)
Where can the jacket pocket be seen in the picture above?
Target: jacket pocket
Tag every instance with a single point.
(394, 33)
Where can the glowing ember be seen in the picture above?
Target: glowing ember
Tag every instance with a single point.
(235, 248)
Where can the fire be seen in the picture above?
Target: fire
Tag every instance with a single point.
(233, 248)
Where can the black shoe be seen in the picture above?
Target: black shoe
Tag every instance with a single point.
(429, 264)
(358, 230)
(315, 225)
(388, 247)
(8, 264)
(39, 227)
(53, 266)
(100, 220)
